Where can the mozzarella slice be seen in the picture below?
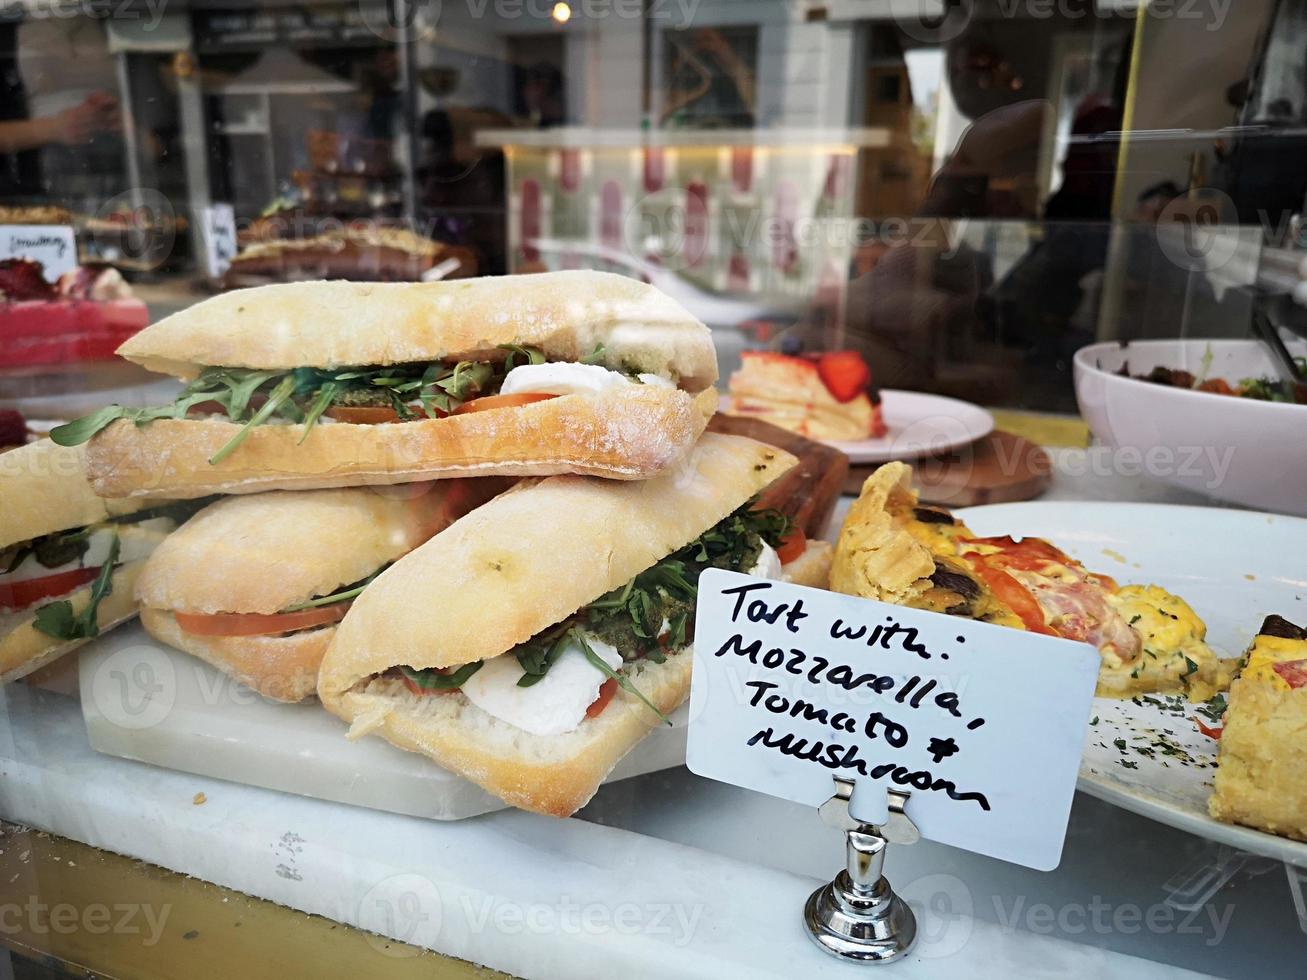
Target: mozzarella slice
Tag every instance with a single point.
(552, 705)
(563, 378)
(768, 564)
(135, 541)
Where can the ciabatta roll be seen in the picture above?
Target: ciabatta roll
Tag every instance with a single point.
(246, 585)
(539, 569)
(326, 384)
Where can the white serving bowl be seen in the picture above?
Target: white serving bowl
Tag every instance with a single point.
(1237, 449)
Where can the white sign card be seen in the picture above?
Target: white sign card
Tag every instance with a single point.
(219, 229)
(983, 725)
(54, 246)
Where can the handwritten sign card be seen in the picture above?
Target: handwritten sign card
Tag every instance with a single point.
(219, 228)
(982, 725)
(54, 246)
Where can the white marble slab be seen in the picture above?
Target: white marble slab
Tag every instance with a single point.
(529, 895)
(142, 700)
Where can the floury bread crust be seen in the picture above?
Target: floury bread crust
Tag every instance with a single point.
(338, 324)
(554, 775)
(626, 434)
(529, 559)
(24, 648)
(264, 552)
(44, 489)
(283, 668)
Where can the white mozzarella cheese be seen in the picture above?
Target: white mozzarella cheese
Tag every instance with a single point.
(135, 541)
(554, 704)
(768, 564)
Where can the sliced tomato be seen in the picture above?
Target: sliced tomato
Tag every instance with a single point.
(1294, 673)
(1013, 593)
(20, 595)
(1213, 732)
(490, 402)
(259, 624)
(606, 691)
(791, 546)
(423, 692)
(363, 414)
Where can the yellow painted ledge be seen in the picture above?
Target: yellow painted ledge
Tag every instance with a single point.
(1056, 431)
(90, 917)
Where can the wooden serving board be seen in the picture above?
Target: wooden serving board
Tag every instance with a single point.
(807, 493)
(1000, 468)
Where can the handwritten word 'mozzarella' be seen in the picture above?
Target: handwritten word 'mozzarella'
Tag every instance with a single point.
(818, 670)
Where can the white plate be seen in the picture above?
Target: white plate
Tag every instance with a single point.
(1234, 567)
(920, 425)
(1238, 449)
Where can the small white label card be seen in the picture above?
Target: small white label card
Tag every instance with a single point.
(219, 238)
(983, 725)
(54, 246)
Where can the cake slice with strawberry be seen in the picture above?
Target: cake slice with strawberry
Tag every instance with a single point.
(824, 396)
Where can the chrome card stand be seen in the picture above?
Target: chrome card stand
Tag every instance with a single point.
(858, 916)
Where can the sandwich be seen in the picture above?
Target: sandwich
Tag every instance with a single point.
(359, 253)
(255, 585)
(68, 558)
(530, 645)
(826, 396)
(327, 384)
(1261, 771)
(893, 549)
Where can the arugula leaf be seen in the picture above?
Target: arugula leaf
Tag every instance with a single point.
(623, 681)
(78, 431)
(596, 356)
(519, 355)
(276, 399)
(321, 402)
(433, 680)
(344, 595)
(535, 659)
(57, 618)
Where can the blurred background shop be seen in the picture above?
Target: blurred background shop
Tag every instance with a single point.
(966, 192)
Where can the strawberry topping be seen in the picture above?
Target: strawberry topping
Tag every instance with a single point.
(844, 373)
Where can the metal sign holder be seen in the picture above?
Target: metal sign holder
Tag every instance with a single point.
(858, 916)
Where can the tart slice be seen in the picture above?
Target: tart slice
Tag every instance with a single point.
(893, 549)
(1261, 772)
(825, 396)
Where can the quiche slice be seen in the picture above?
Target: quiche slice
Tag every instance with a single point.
(894, 549)
(1261, 767)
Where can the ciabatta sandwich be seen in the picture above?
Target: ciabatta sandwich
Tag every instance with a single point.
(68, 559)
(328, 384)
(255, 585)
(530, 645)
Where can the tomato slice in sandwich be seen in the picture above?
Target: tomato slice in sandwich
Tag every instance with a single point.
(792, 546)
(363, 414)
(259, 624)
(20, 595)
(606, 691)
(490, 402)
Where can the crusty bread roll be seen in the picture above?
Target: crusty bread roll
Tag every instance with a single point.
(525, 561)
(24, 648)
(626, 433)
(281, 668)
(266, 552)
(335, 324)
(44, 489)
